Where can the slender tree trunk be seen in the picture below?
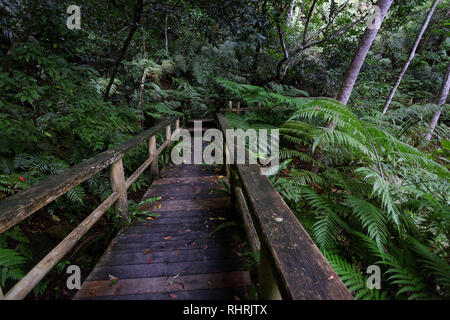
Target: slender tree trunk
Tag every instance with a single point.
(356, 64)
(361, 53)
(166, 36)
(411, 56)
(136, 19)
(442, 98)
(290, 13)
(141, 94)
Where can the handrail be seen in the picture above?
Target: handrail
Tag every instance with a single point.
(291, 265)
(16, 208)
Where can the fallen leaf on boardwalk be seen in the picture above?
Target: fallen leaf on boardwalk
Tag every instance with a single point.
(331, 277)
(236, 298)
(147, 251)
(149, 261)
(205, 247)
(56, 218)
(150, 218)
(176, 276)
(246, 295)
(221, 218)
(183, 271)
(173, 296)
(181, 286)
(167, 238)
(220, 177)
(187, 230)
(177, 253)
(171, 198)
(159, 206)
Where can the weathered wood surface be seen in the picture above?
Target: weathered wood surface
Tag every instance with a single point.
(21, 205)
(32, 278)
(301, 271)
(177, 255)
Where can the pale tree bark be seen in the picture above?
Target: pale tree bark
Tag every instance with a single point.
(290, 13)
(355, 66)
(166, 36)
(411, 56)
(442, 98)
(361, 52)
(141, 94)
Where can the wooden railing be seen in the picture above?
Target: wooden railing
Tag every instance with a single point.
(21, 205)
(291, 266)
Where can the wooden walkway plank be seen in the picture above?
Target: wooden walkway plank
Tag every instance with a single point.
(180, 254)
(165, 284)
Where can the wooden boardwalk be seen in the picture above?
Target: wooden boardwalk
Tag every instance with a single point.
(181, 254)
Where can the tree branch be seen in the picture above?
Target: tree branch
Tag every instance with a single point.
(136, 19)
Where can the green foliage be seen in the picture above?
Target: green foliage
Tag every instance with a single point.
(135, 213)
(353, 278)
(370, 197)
(363, 188)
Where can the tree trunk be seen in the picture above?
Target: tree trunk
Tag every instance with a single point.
(136, 19)
(290, 13)
(166, 36)
(411, 56)
(141, 93)
(442, 98)
(361, 53)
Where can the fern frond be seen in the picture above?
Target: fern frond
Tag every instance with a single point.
(372, 219)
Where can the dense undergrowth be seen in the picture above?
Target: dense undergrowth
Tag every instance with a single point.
(370, 198)
(370, 190)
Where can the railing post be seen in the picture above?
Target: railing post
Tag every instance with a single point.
(177, 124)
(268, 288)
(118, 184)
(230, 105)
(238, 108)
(1, 293)
(226, 156)
(154, 168)
(168, 135)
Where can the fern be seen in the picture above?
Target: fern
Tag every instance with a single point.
(371, 218)
(10, 265)
(353, 278)
(404, 275)
(432, 264)
(328, 225)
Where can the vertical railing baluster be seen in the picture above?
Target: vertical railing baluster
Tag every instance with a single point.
(154, 167)
(168, 135)
(268, 288)
(238, 107)
(118, 184)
